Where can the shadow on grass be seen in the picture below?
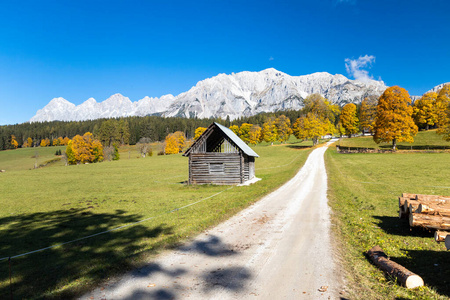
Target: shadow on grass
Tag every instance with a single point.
(55, 269)
(299, 147)
(432, 266)
(396, 226)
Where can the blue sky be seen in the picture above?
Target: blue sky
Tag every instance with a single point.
(81, 49)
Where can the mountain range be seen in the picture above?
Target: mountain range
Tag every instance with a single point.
(235, 95)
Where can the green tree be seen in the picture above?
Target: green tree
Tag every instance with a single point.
(393, 122)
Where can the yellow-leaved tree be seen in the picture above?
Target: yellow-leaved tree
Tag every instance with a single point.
(255, 134)
(84, 149)
(270, 131)
(349, 119)
(244, 132)
(14, 142)
(174, 142)
(443, 112)
(393, 122)
(235, 129)
(425, 112)
(367, 114)
(283, 125)
(45, 142)
(312, 127)
(198, 132)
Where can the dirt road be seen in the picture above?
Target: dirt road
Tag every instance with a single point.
(279, 248)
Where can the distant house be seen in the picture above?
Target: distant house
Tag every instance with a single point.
(219, 156)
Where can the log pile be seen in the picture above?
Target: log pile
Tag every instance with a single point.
(428, 211)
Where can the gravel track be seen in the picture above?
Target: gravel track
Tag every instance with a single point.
(278, 248)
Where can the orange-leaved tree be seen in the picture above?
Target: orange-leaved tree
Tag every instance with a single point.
(393, 122)
(424, 110)
(349, 119)
(198, 132)
(45, 142)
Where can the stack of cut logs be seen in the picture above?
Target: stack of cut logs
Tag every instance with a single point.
(428, 211)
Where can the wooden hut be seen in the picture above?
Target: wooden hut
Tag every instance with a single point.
(219, 156)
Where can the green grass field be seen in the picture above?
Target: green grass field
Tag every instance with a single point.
(363, 193)
(52, 205)
(424, 140)
(25, 159)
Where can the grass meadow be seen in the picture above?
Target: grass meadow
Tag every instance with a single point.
(363, 194)
(424, 140)
(55, 204)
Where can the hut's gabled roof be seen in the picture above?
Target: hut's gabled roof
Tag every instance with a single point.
(228, 133)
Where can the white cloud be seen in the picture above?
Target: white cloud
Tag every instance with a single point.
(355, 67)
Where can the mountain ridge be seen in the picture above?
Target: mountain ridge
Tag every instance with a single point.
(234, 95)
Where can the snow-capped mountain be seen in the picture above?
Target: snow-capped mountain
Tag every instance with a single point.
(235, 95)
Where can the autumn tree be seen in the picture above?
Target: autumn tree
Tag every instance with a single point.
(443, 111)
(367, 114)
(14, 142)
(84, 149)
(198, 132)
(393, 122)
(320, 107)
(45, 142)
(235, 129)
(244, 132)
(174, 142)
(28, 143)
(255, 134)
(425, 112)
(270, 131)
(283, 125)
(312, 127)
(349, 119)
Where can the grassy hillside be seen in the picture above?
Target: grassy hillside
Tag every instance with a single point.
(363, 193)
(24, 159)
(422, 141)
(53, 205)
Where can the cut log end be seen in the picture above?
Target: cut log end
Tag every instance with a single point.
(403, 275)
(413, 282)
